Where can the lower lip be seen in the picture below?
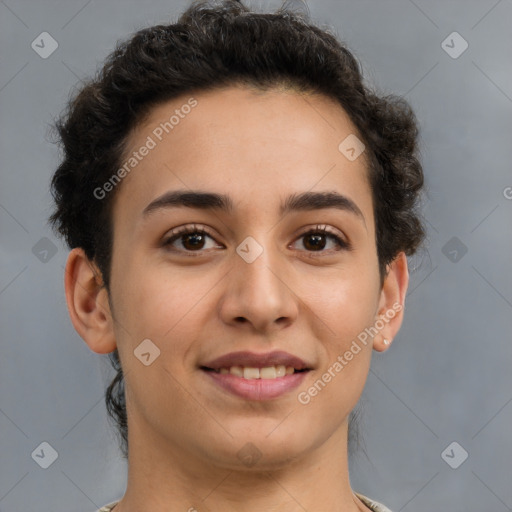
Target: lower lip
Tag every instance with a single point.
(257, 389)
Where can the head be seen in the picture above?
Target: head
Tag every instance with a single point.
(261, 108)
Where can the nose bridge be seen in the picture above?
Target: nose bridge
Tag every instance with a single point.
(257, 291)
(257, 263)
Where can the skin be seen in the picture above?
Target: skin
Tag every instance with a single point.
(185, 432)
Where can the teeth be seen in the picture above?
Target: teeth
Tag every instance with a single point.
(281, 370)
(269, 372)
(251, 373)
(237, 370)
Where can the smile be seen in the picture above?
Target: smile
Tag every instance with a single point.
(256, 376)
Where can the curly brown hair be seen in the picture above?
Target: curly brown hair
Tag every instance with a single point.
(213, 46)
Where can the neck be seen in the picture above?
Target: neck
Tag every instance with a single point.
(172, 479)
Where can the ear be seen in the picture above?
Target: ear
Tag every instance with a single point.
(392, 302)
(87, 300)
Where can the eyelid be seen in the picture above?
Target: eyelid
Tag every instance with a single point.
(323, 228)
(188, 228)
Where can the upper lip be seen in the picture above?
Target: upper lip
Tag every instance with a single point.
(255, 360)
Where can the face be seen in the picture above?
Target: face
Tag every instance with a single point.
(269, 280)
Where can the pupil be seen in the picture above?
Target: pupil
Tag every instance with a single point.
(192, 236)
(318, 243)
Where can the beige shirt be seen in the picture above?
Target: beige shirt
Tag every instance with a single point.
(375, 506)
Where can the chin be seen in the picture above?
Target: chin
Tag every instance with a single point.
(263, 450)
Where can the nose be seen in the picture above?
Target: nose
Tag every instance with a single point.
(257, 295)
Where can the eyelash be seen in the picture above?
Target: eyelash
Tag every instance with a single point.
(342, 244)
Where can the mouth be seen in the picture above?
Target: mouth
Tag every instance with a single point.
(255, 376)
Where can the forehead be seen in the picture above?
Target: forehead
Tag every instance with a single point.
(261, 146)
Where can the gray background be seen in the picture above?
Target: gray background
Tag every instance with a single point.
(447, 375)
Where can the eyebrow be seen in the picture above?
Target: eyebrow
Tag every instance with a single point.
(305, 201)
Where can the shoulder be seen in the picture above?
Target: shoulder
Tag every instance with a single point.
(375, 506)
(109, 507)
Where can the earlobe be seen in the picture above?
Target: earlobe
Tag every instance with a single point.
(87, 301)
(392, 302)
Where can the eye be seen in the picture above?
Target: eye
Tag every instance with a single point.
(314, 240)
(191, 239)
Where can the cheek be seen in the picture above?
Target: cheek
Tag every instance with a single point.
(166, 307)
(344, 302)
(344, 313)
(344, 305)
(164, 310)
